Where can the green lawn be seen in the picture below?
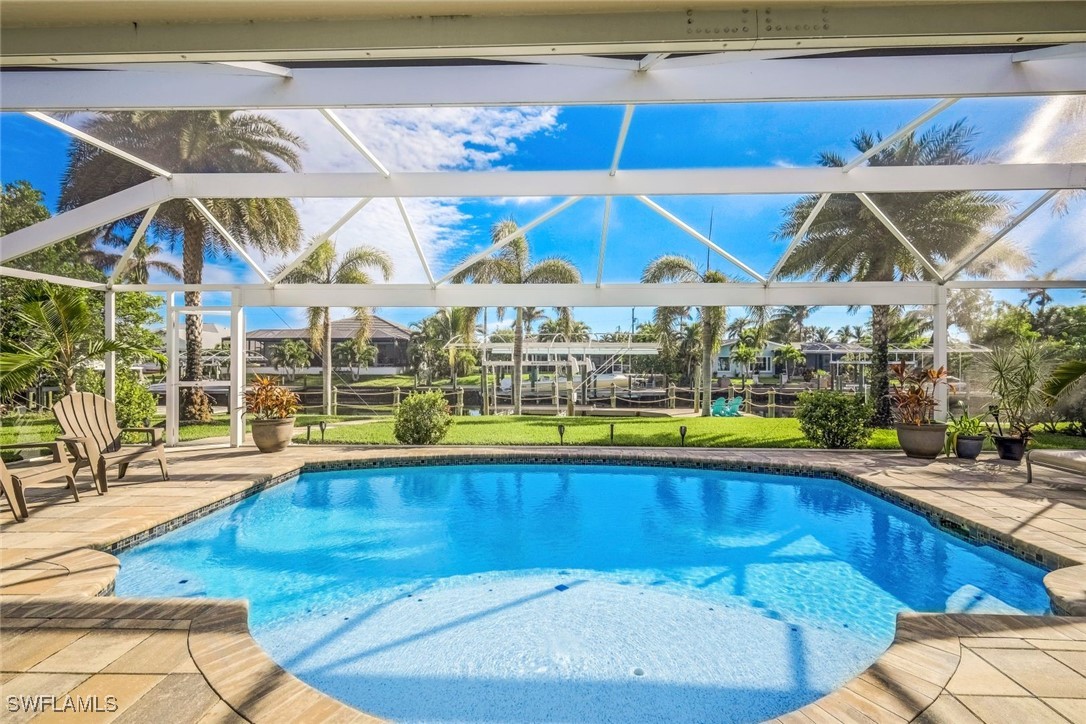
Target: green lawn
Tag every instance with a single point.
(635, 432)
(538, 430)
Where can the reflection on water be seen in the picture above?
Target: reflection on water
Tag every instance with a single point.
(827, 562)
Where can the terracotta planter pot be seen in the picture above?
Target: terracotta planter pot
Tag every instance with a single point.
(273, 435)
(1009, 448)
(922, 441)
(968, 447)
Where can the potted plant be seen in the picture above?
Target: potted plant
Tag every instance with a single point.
(913, 397)
(966, 436)
(1017, 379)
(272, 407)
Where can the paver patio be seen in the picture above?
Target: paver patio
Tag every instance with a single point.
(193, 660)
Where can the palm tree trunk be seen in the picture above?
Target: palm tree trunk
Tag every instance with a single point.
(483, 370)
(706, 366)
(518, 353)
(327, 360)
(880, 380)
(195, 405)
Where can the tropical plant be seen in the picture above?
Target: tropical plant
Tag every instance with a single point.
(712, 320)
(833, 419)
(67, 336)
(144, 260)
(512, 264)
(135, 404)
(354, 354)
(1018, 378)
(190, 141)
(847, 242)
(913, 393)
(564, 327)
(530, 316)
(1066, 377)
(790, 322)
(447, 336)
(746, 356)
(267, 400)
(789, 356)
(324, 266)
(422, 418)
(291, 354)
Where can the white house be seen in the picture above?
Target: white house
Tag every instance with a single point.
(763, 363)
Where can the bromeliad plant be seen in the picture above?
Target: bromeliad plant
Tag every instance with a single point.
(912, 393)
(267, 400)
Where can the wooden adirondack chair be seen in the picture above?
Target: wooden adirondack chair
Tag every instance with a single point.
(91, 432)
(15, 480)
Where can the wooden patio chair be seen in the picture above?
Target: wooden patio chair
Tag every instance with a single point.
(92, 434)
(15, 480)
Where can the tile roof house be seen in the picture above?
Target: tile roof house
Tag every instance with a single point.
(389, 338)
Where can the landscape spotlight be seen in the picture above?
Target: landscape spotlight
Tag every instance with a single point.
(323, 425)
(561, 434)
(682, 434)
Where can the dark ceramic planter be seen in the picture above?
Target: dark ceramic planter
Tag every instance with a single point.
(273, 435)
(1009, 448)
(922, 441)
(968, 447)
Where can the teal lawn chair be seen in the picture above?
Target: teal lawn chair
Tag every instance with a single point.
(719, 405)
(732, 409)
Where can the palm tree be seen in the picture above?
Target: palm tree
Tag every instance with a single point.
(67, 336)
(323, 266)
(512, 265)
(291, 354)
(532, 315)
(355, 354)
(565, 326)
(847, 242)
(674, 268)
(449, 333)
(792, 320)
(789, 356)
(190, 142)
(143, 261)
(820, 334)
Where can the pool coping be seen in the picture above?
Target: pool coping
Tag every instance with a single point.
(91, 571)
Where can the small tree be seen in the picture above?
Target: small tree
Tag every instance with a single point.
(745, 356)
(788, 356)
(66, 338)
(422, 418)
(355, 355)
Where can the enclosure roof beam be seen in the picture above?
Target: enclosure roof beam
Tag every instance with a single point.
(900, 236)
(6, 271)
(680, 182)
(521, 231)
(699, 236)
(603, 241)
(955, 267)
(415, 242)
(623, 130)
(107, 147)
(901, 133)
(259, 67)
(84, 218)
(1068, 50)
(225, 234)
(355, 141)
(802, 232)
(798, 79)
(126, 255)
(320, 239)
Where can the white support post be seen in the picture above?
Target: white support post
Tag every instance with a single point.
(236, 403)
(603, 241)
(110, 310)
(939, 349)
(173, 398)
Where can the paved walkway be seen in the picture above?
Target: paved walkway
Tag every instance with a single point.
(55, 639)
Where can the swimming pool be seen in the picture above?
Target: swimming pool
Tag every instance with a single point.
(575, 593)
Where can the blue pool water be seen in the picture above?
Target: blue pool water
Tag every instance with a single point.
(560, 593)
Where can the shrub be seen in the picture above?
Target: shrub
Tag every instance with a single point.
(134, 402)
(267, 400)
(422, 418)
(833, 419)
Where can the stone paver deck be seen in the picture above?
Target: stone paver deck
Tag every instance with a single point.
(193, 660)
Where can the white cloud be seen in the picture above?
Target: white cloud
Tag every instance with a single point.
(422, 139)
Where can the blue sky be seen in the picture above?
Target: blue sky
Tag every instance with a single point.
(673, 136)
